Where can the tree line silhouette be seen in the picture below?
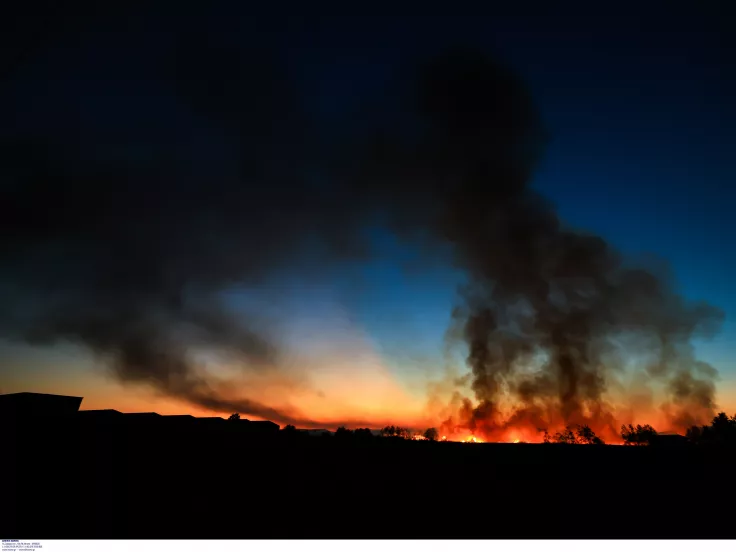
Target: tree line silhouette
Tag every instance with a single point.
(721, 431)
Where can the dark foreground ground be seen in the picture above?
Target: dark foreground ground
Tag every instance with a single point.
(68, 481)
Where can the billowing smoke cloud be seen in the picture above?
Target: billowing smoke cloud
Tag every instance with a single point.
(123, 236)
(537, 288)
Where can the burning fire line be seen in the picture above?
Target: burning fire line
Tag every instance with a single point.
(469, 439)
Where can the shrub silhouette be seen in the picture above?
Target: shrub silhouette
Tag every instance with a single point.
(234, 417)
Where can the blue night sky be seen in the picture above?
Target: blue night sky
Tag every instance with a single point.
(641, 119)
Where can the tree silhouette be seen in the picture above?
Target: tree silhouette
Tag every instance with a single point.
(234, 417)
(396, 431)
(574, 435)
(724, 427)
(388, 431)
(695, 434)
(431, 434)
(638, 436)
(586, 436)
(566, 437)
(403, 433)
(343, 433)
(289, 429)
(363, 433)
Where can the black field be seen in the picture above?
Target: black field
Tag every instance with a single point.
(67, 480)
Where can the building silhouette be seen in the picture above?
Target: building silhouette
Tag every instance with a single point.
(38, 405)
(24, 408)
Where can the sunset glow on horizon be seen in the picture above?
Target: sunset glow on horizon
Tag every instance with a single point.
(337, 393)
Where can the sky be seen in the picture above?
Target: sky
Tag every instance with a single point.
(641, 123)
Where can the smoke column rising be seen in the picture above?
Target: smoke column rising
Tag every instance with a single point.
(537, 288)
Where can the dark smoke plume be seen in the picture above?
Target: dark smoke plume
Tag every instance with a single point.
(121, 236)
